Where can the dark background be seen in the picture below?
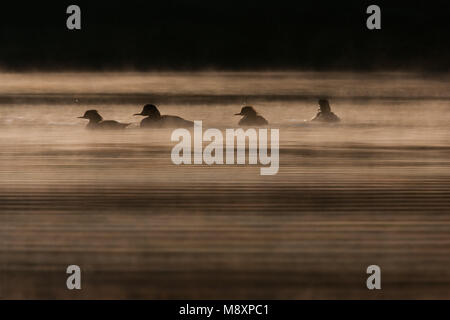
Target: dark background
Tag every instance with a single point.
(217, 34)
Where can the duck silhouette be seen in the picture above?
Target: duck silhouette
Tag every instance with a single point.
(251, 117)
(96, 121)
(156, 120)
(324, 113)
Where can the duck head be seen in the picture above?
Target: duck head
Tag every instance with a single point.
(92, 115)
(149, 110)
(247, 111)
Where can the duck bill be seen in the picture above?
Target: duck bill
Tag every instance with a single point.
(81, 117)
(238, 114)
(138, 114)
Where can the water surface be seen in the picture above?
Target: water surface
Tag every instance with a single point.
(371, 190)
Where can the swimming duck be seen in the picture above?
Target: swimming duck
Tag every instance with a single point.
(96, 121)
(156, 120)
(324, 113)
(251, 117)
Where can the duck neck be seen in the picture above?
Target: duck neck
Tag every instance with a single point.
(92, 124)
(95, 118)
(94, 121)
(154, 116)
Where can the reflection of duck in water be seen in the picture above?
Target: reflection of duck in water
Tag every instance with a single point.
(325, 114)
(251, 117)
(96, 121)
(156, 120)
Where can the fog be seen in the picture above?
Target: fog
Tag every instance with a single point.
(372, 189)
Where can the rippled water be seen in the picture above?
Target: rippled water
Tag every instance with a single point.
(371, 190)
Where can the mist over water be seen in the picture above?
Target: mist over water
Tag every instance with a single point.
(373, 189)
(56, 98)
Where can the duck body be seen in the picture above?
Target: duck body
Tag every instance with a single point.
(253, 121)
(326, 117)
(107, 125)
(155, 120)
(166, 121)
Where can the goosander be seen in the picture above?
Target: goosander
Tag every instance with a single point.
(324, 113)
(156, 120)
(96, 121)
(251, 117)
